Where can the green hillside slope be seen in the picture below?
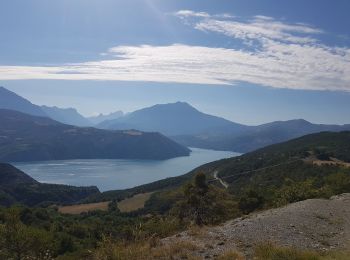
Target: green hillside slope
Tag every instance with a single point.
(18, 187)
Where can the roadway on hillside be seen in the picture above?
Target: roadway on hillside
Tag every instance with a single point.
(220, 180)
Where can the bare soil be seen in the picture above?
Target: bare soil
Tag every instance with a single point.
(80, 208)
(130, 204)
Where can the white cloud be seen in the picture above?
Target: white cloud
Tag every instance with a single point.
(189, 13)
(289, 56)
(183, 14)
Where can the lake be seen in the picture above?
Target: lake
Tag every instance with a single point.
(119, 173)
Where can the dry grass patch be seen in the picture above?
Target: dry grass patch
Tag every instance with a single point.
(270, 251)
(131, 204)
(146, 251)
(80, 208)
(134, 203)
(337, 255)
(231, 255)
(197, 231)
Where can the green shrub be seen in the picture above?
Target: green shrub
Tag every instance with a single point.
(203, 204)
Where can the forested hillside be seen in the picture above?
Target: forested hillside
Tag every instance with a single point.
(28, 138)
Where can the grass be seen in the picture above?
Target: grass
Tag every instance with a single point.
(146, 251)
(155, 249)
(270, 251)
(338, 255)
(134, 203)
(231, 255)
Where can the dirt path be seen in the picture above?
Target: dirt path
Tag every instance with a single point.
(220, 180)
(317, 224)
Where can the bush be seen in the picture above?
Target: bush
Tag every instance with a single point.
(203, 204)
(250, 201)
(21, 242)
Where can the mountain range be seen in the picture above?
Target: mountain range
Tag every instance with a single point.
(12, 101)
(68, 116)
(101, 117)
(190, 127)
(181, 122)
(255, 137)
(25, 137)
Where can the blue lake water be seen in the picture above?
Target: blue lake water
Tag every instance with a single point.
(117, 174)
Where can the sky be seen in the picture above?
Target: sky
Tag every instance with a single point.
(249, 61)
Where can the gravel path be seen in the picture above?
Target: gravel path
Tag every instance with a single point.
(317, 224)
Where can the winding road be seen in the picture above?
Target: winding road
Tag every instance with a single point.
(220, 180)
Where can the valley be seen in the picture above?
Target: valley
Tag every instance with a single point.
(278, 187)
(174, 130)
(136, 181)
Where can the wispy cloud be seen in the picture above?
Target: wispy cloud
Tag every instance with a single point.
(257, 28)
(189, 13)
(286, 56)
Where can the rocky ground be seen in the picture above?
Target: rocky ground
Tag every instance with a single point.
(317, 224)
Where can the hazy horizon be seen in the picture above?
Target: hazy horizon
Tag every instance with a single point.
(170, 102)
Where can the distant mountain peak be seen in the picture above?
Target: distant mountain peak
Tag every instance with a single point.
(103, 117)
(175, 106)
(182, 103)
(171, 119)
(300, 120)
(66, 115)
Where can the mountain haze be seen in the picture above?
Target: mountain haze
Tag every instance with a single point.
(68, 116)
(258, 136)
(181, 122)
(190, 127)
(101, 117)
(10, 100)
(173, 119)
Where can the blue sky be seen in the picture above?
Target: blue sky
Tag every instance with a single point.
(249, 61)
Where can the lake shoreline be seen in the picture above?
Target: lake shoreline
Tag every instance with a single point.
(118, 174)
